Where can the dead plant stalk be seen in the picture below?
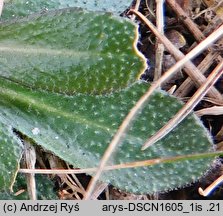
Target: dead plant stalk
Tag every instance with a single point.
(187, 85)
(123, 166)
(188, 107)
(159, 45)
(211, 187)
(191, 70)
(215, 110)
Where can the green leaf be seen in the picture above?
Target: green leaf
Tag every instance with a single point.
(44, 188)
(79, 128)
(21, 8)
(70, 51)
(50, 66)
(10, 154)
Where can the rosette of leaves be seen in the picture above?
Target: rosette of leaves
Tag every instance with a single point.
(67, 80)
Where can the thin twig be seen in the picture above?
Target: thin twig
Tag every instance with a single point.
(78, 183)
(30, 161)
(215, 110)
(136, 7)
(187, 85)
(190, 68)
(148, 7)
(207, 99)
(186, 19)
(107, 194)
(126, 165)
(101, 186)
(19, 192)
(210, 39)
(71, 184)
(172, 89)
(211, 187)
(215, 6)
(188, 107)
(159, 46)
(215, 23)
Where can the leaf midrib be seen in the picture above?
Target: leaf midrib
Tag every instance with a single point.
(23, 98)
(27, 49)
(38, 50)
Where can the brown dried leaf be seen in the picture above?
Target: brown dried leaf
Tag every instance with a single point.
(176, 38)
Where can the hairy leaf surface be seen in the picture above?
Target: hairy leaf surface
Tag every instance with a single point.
(69, 78)
(21, 8)
(70, 51)
(78, 129)
(10, 155)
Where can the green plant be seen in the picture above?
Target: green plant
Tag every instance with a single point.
(67, 80)
(22, 8)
